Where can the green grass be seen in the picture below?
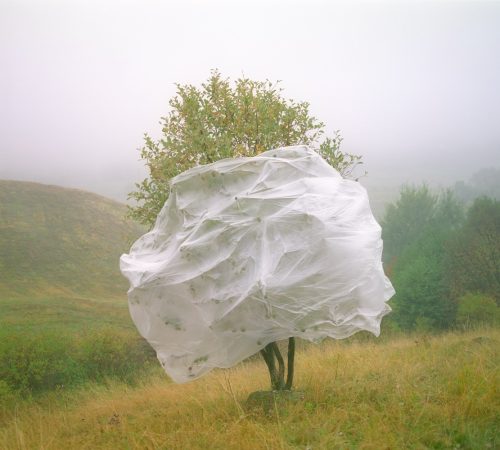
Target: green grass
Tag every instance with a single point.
(64, 314)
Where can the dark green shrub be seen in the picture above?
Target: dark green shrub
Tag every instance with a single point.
(31, 363)
(477, 309)
(35, 362)
(109, 353)
(6, 393)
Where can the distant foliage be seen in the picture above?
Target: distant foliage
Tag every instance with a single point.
(421, 296)
(485, 182)
(473, 255)
(223, 120)
(477, 309)
(437, 256)
(417, 217)
(406, 220)
(415, 231)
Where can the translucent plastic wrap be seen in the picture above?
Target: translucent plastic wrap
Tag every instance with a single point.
(248, 251)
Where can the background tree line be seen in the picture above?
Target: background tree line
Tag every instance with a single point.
(443, 259)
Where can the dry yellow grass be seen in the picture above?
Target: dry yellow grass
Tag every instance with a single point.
(416, 393)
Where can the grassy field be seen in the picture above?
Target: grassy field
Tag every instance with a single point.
(401, 393)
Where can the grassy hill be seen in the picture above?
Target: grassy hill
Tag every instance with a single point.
(63, 308)
(59, 251)
(401, 393)
(58, 241)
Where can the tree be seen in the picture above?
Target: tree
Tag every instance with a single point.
(406, 220)
(416, 230)
(223, 120)
(473, 255)
(421, 293)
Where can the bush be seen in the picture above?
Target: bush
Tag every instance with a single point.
(30, 363)
(477, 309)
(43, 361)
(6, 393)
(108, 353)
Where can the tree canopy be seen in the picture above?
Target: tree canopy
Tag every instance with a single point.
(416, 230)
(473, 254)
(223, 119)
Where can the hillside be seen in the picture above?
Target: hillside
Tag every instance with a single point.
(56, 241)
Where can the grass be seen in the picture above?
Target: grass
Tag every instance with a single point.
(64, 314)
(59, 242)
(403, 393)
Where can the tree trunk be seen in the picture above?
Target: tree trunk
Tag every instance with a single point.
(291, 360)
(269, 353)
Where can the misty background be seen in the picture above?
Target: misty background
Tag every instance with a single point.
(414, 87)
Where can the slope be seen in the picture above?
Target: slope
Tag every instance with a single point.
(56, 241)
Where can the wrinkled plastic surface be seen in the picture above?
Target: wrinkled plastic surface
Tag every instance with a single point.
(248, 251)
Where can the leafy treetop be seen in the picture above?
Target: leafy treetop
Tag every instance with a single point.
(223, 120)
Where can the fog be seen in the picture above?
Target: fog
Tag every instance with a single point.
(414, 87)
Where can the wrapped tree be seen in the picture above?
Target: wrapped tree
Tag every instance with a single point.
(217, 304)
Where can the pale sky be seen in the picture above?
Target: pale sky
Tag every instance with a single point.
(413, 86)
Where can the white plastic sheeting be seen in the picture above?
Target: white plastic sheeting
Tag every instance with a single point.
(248, 251)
